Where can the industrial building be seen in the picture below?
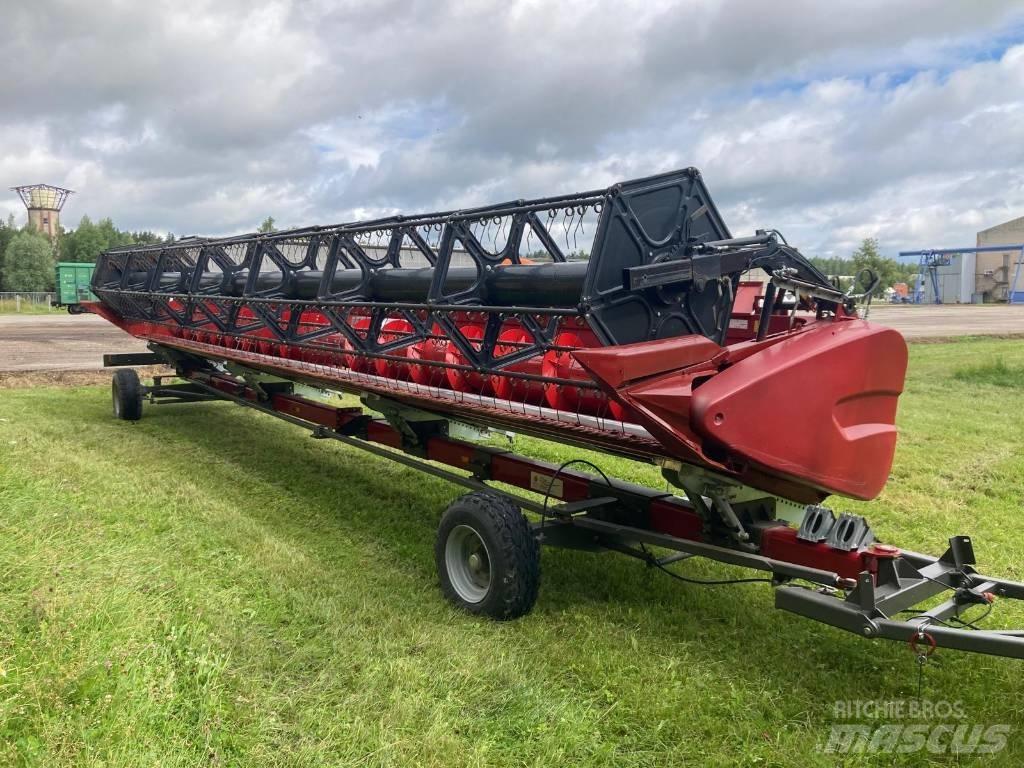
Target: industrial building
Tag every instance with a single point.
(984, 273)
(955, 280)
(993, 272)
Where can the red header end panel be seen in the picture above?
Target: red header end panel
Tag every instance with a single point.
(818, 407)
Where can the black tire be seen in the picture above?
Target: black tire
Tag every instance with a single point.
(510, 550)
(126, 391)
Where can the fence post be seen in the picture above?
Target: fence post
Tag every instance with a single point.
(17, 303)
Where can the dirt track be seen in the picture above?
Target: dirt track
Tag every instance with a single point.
(941, 321)
(60, 342)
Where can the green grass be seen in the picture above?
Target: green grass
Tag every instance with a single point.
(212, 587)
(10, 307)
(996, 372)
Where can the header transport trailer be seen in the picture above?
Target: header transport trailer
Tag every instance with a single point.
(623, 320)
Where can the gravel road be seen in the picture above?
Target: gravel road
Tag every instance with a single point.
(60, 342)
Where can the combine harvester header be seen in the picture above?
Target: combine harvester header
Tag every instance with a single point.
(624, 320)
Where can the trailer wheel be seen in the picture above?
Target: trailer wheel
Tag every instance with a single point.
(487, 557)
(126, 391)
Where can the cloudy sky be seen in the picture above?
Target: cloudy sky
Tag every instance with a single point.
(831, 121)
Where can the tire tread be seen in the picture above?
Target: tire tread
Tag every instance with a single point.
(518, 551)
(126, 390)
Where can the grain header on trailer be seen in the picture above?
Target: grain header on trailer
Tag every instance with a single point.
(625, 320)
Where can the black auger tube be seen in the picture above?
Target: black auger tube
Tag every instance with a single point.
(527, 285)
(537, 285)
(413, 285)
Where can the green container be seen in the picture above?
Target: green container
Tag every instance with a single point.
(73, 283)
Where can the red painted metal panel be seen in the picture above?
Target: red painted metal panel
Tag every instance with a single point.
(450, 452)
(675, 519)
(385, 434)
(310, 410)
(819, 406)
(524, 473)
(615, 366)
(781, 543)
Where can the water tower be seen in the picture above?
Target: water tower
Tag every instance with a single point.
(44, 203)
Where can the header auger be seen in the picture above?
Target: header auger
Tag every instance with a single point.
(628, 320)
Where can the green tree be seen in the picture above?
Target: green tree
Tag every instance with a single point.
(834, 265)
(90, 239)
(145, 237)
(109, 233)
(28, 263)
(889, 271)
(85, 243)
(7, 233)
(267, 225)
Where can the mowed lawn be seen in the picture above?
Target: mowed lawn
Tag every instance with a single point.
(210, 586)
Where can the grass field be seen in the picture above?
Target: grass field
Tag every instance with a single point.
(212, 587)
(10, 307)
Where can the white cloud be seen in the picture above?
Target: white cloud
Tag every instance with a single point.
(829, 121)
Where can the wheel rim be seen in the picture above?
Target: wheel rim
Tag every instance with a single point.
(117, 400)
(468, 563)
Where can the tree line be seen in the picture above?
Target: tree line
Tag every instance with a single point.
(867, 256)
(28, 258)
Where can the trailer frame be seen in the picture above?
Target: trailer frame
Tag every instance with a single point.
(863, 590)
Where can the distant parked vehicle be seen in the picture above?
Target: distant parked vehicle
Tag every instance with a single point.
(72, 283)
